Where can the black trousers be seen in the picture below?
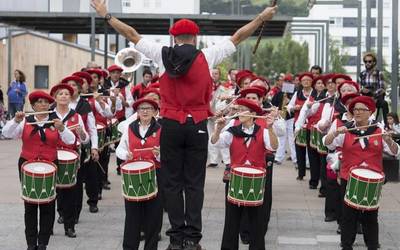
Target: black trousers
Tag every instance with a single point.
(301, 153)
(66, 200)
(333, 203)
(350, 218)
(183, 159)
(143, 216)
(104, 160)
(323, 178)
(47, 212)
(315, 162)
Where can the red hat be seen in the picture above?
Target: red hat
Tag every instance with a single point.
(39, 94)
(184, 27)
(104, 73)
(260, 92)
(144, 100)
(343, 76)
(254, 78)
(347, 97)
(349, 82)
(148, 91)
(250, 104)
(309, 74)
(85, 75)
(288, 78)
(241, 75)
(155, 79)
(366, 100)
(155, 85)
(114, 67)
(76, 79)
(61, 86)
(316, 79)
(98, 72)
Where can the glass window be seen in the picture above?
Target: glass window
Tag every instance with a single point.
(41, 76)
(126, 3)
(349, 22)
(352, 61)
(349, 41)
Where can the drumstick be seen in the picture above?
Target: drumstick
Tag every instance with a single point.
(142, 149)
(236, 115)
(273, 3)
(373, 135)
(101, 167)
(324, 99)
(366, 126)
(41, 112)
(43, 122)
(73, 126)
(230, 104)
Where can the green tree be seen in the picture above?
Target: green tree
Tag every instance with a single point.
(337, 57)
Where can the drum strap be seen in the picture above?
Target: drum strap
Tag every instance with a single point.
(238, 132)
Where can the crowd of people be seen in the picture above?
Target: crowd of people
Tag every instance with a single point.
(166, 128)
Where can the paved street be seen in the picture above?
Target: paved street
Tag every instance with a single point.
(296, 221)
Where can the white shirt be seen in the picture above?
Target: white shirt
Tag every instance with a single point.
(214, 54)
(14, 130)
(306, 112)
(128, 98)
(80, 122)
(278, 128)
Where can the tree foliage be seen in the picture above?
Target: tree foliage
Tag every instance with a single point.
(337, 57)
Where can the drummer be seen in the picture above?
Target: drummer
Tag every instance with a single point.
(144, 132)
(364, 153)
(86, 81)
(66, 197)
(38, 142)
(238, 139)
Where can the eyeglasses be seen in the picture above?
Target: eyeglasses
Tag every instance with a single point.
(146, 109)
(368, 61)
(360, 110)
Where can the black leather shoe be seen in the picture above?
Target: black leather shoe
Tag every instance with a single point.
(108, 182)
(299, 178)
(106, 186)
(245, 239)
(142, 237)
(93, 209)
(31, 248)
(174, 247)
(212, 165)
(190, 245)
(70, 233)
(60, 220)
(321, 195)
(330, 219)
(41, 247)
(312, 187)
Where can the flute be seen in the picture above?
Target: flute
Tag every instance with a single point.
(373, 135)
(40, 112)
(142, 149)
(42, 122)
(366, 126)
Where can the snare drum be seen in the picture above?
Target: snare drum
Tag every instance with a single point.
(67, 168)
(101, 134)
(314, 138)
(84, 151)
(38, 181)
(115, 134)
(322, 149)
(139, 181)
(301, 138)
(246, 187)
(364, 188)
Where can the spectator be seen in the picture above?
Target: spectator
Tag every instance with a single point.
(316, 71)
(16, 93)
(393, 123)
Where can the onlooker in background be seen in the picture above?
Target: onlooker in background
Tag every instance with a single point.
(316, 71)
(373, 84)
(16, 93)
(140, 87)
(393, 125)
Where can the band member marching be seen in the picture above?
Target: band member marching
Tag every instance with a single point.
(66, 196)
(360, 155)
(141, 141)
(248, 143)
(40, 138)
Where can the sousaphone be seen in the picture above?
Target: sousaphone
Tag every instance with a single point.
(129, 59)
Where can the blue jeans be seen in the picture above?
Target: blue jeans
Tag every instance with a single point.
(13, 108)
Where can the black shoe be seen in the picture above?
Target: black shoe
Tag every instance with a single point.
(41, 247)
(60, 220)
(277, 162)
(299, 178)
(106, 186)
(108, 182)
(174, 247)
(118, 171)
(142, 237)
(321, 195)
(70, 233)
(93, 209)
(190, 245)
(245, 240)
(330, 218)
(339, 230)
(312, 187)
(31, 248)
(212, 165)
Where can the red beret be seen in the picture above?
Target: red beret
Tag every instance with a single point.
(241, 75)
(104, 73)
(366, 100)
(85, 75)
(254, 78)
(114, 67)
(288, 78)
(343, 76)
(184, 27)
(148, 91)
(39, 94)
(155, 79)
(98, 72)
(254, 107)
(349, 82)
(347, 97)
(76, 79)
(309, 74)
(253, 90)
(155, 85)
(144, 100)
(316, 79)
(61, 86)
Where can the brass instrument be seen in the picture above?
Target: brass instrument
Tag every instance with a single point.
(129, 59)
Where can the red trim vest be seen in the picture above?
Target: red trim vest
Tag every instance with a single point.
(73, 120)
(99, 118)
(151, 141)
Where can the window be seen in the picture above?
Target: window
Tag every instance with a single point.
(349, 22)
(385, 42)
(373, 22)
(349, 41)
(126, 3)
(352, 61)
(336, 21)
(41, 76)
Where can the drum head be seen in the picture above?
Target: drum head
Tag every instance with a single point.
(247, 170)
(39, 168)
(366, 173)
(99, 126)
(64, 155)
(137, 165)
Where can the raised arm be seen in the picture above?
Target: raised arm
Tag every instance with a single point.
(244, 32)
(125, 30)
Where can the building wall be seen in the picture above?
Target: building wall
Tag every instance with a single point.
(29, 50)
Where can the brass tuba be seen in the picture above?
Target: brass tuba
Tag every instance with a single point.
(129, 59)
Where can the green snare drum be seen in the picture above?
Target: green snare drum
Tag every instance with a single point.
(246, 187)
(364, 188)
(38, 182)
(301, 138)
(139, 181)
(320, 145)
(101, 134)
(314, 138)
(115, 134)
(67, 168)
